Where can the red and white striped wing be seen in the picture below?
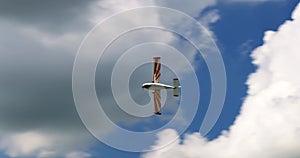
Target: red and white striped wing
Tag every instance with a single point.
(156, 72)
(157, 104)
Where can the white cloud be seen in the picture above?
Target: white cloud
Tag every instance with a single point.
(78, 154)
(42, 144)
(209, 18)
(25, 144)
(190, 7)
(268, 125)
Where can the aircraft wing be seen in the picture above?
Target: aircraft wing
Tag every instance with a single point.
(156, 70)
(157, 104)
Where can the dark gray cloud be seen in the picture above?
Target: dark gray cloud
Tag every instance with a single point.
(38, 99)
(54, 16)
(36, 82)
(36, 92)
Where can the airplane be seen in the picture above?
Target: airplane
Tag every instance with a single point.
(155, 86)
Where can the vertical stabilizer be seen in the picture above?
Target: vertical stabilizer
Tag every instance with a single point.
(176, 87)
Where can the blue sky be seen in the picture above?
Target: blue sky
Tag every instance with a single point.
(38, 50)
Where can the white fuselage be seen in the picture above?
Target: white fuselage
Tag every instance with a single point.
(157, 86)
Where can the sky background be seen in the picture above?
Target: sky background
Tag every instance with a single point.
(258, 41)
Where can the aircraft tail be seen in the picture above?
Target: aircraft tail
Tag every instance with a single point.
(176, 87)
